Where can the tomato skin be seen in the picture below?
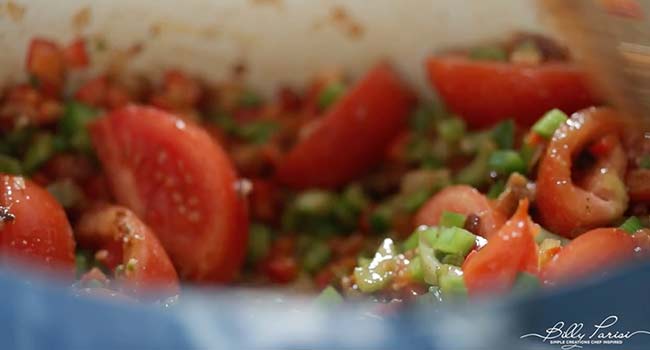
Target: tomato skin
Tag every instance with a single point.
(484, 93)
(152, 270)
(32, 104)
(100, 92)
(264, 201)
(75, 54)
(179, 92)
(93, 91)
(181, 183)
(352, 136)
(494, 268)
(465, 200)
(593, 252)
(40, 233)
(569, 208)
(45, 61)
(281, 269)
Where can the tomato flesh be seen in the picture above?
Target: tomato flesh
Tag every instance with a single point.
(45, 61)
(352, 136)
(147, 268)
(484, 93)
(181, 183)
(464, 200)
(35, 229)
(593, 252)
(494, 268)
(569, 206)
(76, 55)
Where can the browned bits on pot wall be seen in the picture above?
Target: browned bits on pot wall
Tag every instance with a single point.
(345, 22)
(14, 11)
(81, 18)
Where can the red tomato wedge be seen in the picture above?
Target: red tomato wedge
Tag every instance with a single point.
(570, 206)
(93, 91)
(484, 93)
(353, 135)
(494, 268)
(146, 266)
(181, 183)
(46, 62)
(34, 227)
(75, 54)
(465, 200)
(596, 251)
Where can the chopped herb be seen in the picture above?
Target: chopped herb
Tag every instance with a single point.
(15, 142)
(131, 265)
(451, 219)
(315, 202)
(545, 234)
(34, 81)
(530, 155)
(430, 263)
(527, 52)
(451, 130)
(225, 122)
(317, 255)
(428, 234)
(40, 150)
(452, 259)
(10, 165)
(259, 242)
(496, 189)
(82, 262)
(503, 134)
(329, 296)
(420, 150)
(424, 118)
(258, 132)
(489, 53)
(330, 94)
(547, 125)
(631, 225)
(644, 161)
(454, 240)
(476, 173)
(72, 126)
(411, 242)
(381, 219)
(250, 99)
(432, 297)
(415, 269)
(505, 162)
(526, 283)
(415, 200)
(451, 282)
(355, 197)
(66, 192)
(379, 272)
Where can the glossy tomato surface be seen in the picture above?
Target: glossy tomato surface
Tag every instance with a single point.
(353, 136)
(464, 200)
(181, 183)
(34, 227)
(484, 93)
(594, 252)
(494, 268)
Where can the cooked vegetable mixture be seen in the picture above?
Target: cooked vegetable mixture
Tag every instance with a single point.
(513, 181)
